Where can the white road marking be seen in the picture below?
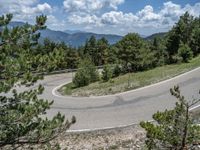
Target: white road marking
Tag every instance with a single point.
(122, 126)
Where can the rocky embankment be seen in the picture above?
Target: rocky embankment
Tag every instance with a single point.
(132, 137)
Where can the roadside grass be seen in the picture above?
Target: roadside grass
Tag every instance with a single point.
(131, 80)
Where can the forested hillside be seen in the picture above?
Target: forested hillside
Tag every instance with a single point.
(180, 44)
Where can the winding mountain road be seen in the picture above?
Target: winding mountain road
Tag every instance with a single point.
(119, 109)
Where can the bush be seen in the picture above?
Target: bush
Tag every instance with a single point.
(86, 74)
(185, 52)
(107, 73)
(81, 78)
(117, 71)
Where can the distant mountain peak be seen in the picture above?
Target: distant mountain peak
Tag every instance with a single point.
(151, 37)
(77, 37)
(73, 31)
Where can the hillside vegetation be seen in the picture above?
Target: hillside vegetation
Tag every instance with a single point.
(136, 62)
(130, 81)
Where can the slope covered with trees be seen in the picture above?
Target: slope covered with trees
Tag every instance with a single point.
(134, 54)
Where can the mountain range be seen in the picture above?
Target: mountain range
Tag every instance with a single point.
(160, 35)
(77, 38)
(74, 38)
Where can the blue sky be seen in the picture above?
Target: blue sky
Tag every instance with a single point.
(103, 16)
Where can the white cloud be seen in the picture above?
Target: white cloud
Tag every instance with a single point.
(114, 3)
(24, 10)
(145, 18)
(99, 15)
(115, 17)
(147, 14)
(85, 19)
(171, 12)
(54, 23)
(42, 8)
(193, 10)
(88, 6)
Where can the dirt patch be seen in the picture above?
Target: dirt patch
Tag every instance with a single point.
(132, 137)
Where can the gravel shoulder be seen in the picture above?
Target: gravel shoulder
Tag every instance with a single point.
(132, 137)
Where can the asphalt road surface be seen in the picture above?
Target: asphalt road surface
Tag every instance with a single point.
(119, 109)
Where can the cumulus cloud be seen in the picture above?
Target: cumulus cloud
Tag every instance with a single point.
(171, 11)
(101, 15)
(193, 10)
(147, 17)
(88, 6)
(24, 10)
(42, 8)
(84, 20)
(54, 23)
(118, 17)
(147, 14)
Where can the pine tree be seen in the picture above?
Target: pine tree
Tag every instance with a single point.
(128, 49)
(22, 119)
(180, 33)
(133, 51)
(102, 47)
(173, 129)
(195, 39)
(158, 48)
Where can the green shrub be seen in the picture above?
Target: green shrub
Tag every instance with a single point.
(116, 71)
(81, 78)
(107, 73)
(185, 52)
(86, 74)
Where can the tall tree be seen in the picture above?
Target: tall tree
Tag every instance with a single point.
(184, 27)
(102, 47)
(158, 48)
(195, 39)
(133, 52)
(91, 50)
(181, 32)
(128, 49)
(22, 119)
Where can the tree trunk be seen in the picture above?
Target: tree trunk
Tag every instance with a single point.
(184, 144)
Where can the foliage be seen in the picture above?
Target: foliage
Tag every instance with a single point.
(137, 79)
(69, 55)
(133, 51)
(195, 37)
(144, 59)
(86, 73)
(128, 50)
(116, 71)
(107, 73)
(185, 31)
(22, 119)
(185, 52)
(96, 50)
(102, 48)
(158, 48)
(174, 128)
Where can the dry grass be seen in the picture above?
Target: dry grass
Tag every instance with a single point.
(136, 80)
